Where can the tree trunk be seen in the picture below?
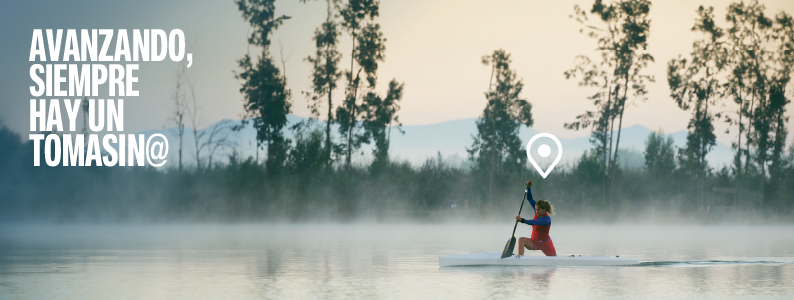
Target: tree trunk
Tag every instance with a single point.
(617, 141)
(354, 83)
(198, 150)
(349, 146)
(180, 152)
(702, 158)
(604, 145)
(328, 60)
(749, 132)
(615, 157)
(328, 145)
(739, 145)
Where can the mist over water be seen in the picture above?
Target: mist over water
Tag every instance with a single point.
(393, 261)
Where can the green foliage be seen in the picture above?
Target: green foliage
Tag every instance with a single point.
(325, 63)
(264, 88)
(761, 64)
(496, 149)
(243, 191)
(261, 15)
(590, 169)
(435, 181)
(659, 156)
(306, 157)
(770, 124)
(267, 103)
(380, 114)
(356, 12)
(325, 73)
(696, 85)
(621, 34)
(368, 49)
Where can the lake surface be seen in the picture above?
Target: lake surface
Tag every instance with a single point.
(382, 261)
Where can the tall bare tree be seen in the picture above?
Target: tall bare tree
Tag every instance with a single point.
(180, 106)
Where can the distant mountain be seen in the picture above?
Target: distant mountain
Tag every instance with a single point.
(449, 139)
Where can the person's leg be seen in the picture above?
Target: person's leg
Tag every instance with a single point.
(547, 247)
(525, 243)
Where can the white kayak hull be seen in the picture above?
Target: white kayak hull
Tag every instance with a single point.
(493, 259)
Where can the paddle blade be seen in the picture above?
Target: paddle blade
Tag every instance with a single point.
(511, 244)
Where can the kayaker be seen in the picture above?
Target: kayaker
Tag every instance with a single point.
(541, 223)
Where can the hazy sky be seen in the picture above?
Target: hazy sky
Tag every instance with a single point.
(433, 46)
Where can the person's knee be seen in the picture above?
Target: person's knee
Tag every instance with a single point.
(527, 243)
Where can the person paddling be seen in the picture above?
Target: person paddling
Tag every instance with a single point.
(541, 224)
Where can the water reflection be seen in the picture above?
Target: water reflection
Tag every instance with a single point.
(376, 261)
(502, 279)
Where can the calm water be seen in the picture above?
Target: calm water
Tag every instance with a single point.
(322, 261)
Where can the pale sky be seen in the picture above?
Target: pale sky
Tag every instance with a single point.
(434, 47)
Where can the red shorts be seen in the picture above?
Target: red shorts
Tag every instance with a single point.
(546, 246)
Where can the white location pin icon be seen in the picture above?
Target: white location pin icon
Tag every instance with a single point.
(544, 151)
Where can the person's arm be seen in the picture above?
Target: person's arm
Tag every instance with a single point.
(530, 199)
(542, 221)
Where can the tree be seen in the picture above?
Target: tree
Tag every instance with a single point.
(215, 138)
(770, 124)
(659, 155)
(786, 195)
(694, 84)
(496, 147)
(180, 106)
(305, 158)
(621, 32)
(368, 49)
(325, 71)
(761, 64)
(195, 121)
(380, 114)
(267, 100)
(303, 161)
(747, 26)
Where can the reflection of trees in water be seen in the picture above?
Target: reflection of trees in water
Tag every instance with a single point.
(320, 270)
(323, 261)
(502, 280)
(542, 279)
(700, 279)
(267, 268)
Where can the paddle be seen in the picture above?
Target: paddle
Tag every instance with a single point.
(511, 244)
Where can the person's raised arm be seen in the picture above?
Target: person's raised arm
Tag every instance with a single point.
(529, 195)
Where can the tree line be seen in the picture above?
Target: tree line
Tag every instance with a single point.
(738, 74)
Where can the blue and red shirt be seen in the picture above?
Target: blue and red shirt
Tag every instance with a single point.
(540, 225)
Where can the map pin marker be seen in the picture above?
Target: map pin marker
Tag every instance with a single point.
(544, 151)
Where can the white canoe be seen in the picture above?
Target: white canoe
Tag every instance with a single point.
(493, 259)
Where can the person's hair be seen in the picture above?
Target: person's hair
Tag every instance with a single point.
(545, 204)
